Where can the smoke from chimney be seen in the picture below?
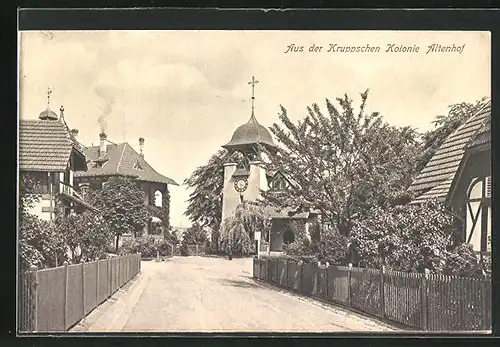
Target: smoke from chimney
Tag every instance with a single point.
(106, 106)
(141, 146)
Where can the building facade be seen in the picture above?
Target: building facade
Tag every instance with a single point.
(50, 156)
(121, 159)
(459, 175)
(246, 175)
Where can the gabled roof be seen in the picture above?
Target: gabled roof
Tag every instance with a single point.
(446, 161)
(122, 159)
(294, 184)
(45, 145)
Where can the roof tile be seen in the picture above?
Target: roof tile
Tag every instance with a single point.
(446, 160)
(44, 145)
(121, 161)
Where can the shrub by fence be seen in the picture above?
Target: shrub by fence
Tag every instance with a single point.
(427, 302)
(55, 299)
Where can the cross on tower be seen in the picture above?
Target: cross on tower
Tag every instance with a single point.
(49, 91)
(253, 82)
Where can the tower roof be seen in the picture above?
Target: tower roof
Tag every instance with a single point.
(250, 133)
(48, 114)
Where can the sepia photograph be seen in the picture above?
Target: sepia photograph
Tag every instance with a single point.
(246, 181)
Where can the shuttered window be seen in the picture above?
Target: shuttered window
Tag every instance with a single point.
(488, 186)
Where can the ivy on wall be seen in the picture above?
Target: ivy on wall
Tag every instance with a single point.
(162, 212)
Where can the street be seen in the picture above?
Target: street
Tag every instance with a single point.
(202, 294)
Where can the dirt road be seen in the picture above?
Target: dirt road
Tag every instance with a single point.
(198, 294)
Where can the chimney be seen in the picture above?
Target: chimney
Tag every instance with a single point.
(61, 114)
(102, 148)
(141, 146)
(74, 132)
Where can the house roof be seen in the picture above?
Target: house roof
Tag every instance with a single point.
(122, 160)
(446, 161)
(44, 145)
(439, 192)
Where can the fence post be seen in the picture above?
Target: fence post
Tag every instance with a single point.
(97, 283)
(197, 249)
(139, 262)
(277, 272)
(108, 278)
(65, 294)
(423, 300)
(349, 294)
(382, 292)
(286, 274)
(33, 295)
(301, 264)
(82, 264)
(327, 265)
(484, 288)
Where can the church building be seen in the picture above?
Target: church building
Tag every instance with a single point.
(247, 175)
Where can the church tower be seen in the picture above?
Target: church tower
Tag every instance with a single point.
(245, 174)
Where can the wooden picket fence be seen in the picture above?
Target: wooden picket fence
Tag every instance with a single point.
(427, 302)
(54, 300)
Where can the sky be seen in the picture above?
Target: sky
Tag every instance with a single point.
(185, 92)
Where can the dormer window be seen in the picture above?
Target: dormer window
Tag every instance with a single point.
(279, 183)
(138, 166)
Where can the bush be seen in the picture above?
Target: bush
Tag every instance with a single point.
(463, 261)
(39, 243)
(184, 250)
(148, 246)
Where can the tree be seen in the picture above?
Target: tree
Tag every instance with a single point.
(205, 201)
(344, 162)
(39, 243)
(238, 230)
(406, 238)
(87, 235)
(122, 204)
(444, 126)
(194, 235)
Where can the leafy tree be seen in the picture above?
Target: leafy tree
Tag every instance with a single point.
(28, 192)
(444, 126)
(238, 230)
(344, 162)
(205, 201)
(194, 235)
(406, 238)
(163, 212)
(87, 235)
(122, 204)
(148, 246)
(39, 243)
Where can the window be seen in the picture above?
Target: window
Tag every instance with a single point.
(84, 189)
(138, 166)
(158, 198)
(488, 186)
(279, 183)
(478, 213)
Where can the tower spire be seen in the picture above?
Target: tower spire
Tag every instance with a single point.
(49, 91)
(253, 82)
